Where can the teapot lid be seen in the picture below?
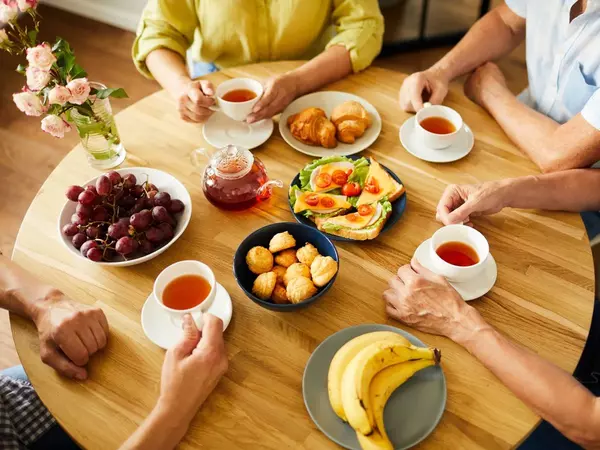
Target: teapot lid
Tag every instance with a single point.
(232, 162)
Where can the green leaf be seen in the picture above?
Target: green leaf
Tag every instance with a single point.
(111, 92)
(77, 72)
(32, 35)
(21, 69)
(61, 46)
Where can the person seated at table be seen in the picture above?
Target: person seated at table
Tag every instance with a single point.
(346, 35)
(426, 301)
(556, 120)
(70, 334)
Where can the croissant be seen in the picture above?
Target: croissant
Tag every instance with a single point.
(312, 127)
(351, 120)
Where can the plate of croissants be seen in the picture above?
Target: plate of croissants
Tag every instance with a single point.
(330, 123)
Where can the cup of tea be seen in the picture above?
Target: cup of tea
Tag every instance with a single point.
(458, 252)
(438, 126)
(237, 97)
(186, 287)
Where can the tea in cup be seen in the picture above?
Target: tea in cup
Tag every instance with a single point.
(186, 287)
(438, 126)
(458, 252)
(236, 98)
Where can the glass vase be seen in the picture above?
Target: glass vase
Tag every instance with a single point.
(99, 134)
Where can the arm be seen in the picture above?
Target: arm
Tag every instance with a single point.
(426, 301)
(191, 371)
(70, 333)
(572, 190)
(476, 48)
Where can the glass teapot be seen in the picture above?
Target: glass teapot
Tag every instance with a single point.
(234, 179)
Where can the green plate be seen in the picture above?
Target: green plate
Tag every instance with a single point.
(412, 412)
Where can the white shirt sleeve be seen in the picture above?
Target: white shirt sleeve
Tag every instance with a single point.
(519, 7)
(591, 110)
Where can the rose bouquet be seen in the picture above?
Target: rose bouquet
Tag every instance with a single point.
(58, 89)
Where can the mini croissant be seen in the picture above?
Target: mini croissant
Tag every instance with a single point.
(312, 127)
(351, 120)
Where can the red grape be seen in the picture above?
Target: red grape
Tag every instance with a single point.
(167, 230)
(140, 204)
(137, 191)
(127, 202)
(129, 181)
(86, 246)
(126, 245)
(151, 187)
(151, 195)
(86, 197)
(154, 235)
(78, 219)
(160, 214)
(162, 199)
(83, 210)
(78, 240)
(141, 220)
(114, 177)
(92, 188)
(176, 206)
(103, 185)
(124, 221)
(99, 214)
(117, 230)
(73, 192)
(94, 254)
(70, 229)
(146, 247)
(93, 231)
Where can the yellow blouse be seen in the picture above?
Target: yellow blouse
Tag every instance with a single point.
(235, 32)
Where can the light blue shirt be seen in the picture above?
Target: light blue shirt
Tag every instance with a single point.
(563, 59)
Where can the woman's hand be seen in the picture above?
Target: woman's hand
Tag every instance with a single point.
(278, 93)
(414, 88)
(459, 203)
(194, 99)
(193, 368)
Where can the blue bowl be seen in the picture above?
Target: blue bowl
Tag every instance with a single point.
(262, 237)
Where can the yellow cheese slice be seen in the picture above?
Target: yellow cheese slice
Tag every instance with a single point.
(340, 202)
(329, 169)
(386, 184)
(354, 221)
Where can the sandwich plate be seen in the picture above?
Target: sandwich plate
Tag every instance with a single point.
(328, 100)
(398, 207)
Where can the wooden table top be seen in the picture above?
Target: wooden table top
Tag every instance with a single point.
(543, 298)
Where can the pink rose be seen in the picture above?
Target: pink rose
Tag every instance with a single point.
(3, 36)
(41, 57)
(29, 103)
(25, 5)
(80, 90)
(59, 95)
(8, 12)
(55, 125)
(37, 79)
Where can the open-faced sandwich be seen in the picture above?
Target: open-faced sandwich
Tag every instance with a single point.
(346, 197)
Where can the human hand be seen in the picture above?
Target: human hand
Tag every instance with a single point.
(194, 99)
(278, 93)
(484, 80)
(459, 203)
(193, 368)
(70, 333)
(426, 301)
(420, 85)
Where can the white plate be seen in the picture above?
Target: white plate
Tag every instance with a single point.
(468, 290)
(327, 101)
(221, 131)
(461, 147)
(159, 329)
(164, 182)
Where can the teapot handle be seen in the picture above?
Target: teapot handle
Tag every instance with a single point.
(266, 189)
(194, 156)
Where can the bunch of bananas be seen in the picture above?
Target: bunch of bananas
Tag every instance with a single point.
(363, 375)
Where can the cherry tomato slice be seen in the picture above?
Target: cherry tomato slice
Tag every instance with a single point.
(351, 189)
(323, 180)
(312, 199)
(327, 202)
(365, 210)
(372, 186)
(352, 217)
(339, 177)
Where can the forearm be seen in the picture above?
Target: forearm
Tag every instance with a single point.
(477, 48)
(331, 65)
(550, 391)
(169, 69)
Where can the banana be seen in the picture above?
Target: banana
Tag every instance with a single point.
(360, 372)
(343, 357)
(374, 441)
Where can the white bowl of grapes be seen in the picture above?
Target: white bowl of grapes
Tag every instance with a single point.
(125, 217)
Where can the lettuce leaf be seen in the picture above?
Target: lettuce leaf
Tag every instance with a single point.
(308, 170)
(293, 193)
(359, 175)
(387, 209)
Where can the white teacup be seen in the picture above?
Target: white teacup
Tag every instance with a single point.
(434, 140)
(176, 270)
(466, 235)
(237, 110)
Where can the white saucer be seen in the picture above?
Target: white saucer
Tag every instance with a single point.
(159, 329)
(461, 147)
(220, 131)
(468, 290)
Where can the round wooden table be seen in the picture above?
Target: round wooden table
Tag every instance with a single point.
(543, 298)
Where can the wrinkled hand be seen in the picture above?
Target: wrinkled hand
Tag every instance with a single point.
(420, 87)
(426, 301)
(194, 99)
(484, 80)
(278, 93)
(70, 333)
(460, 203)
(193, 367)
